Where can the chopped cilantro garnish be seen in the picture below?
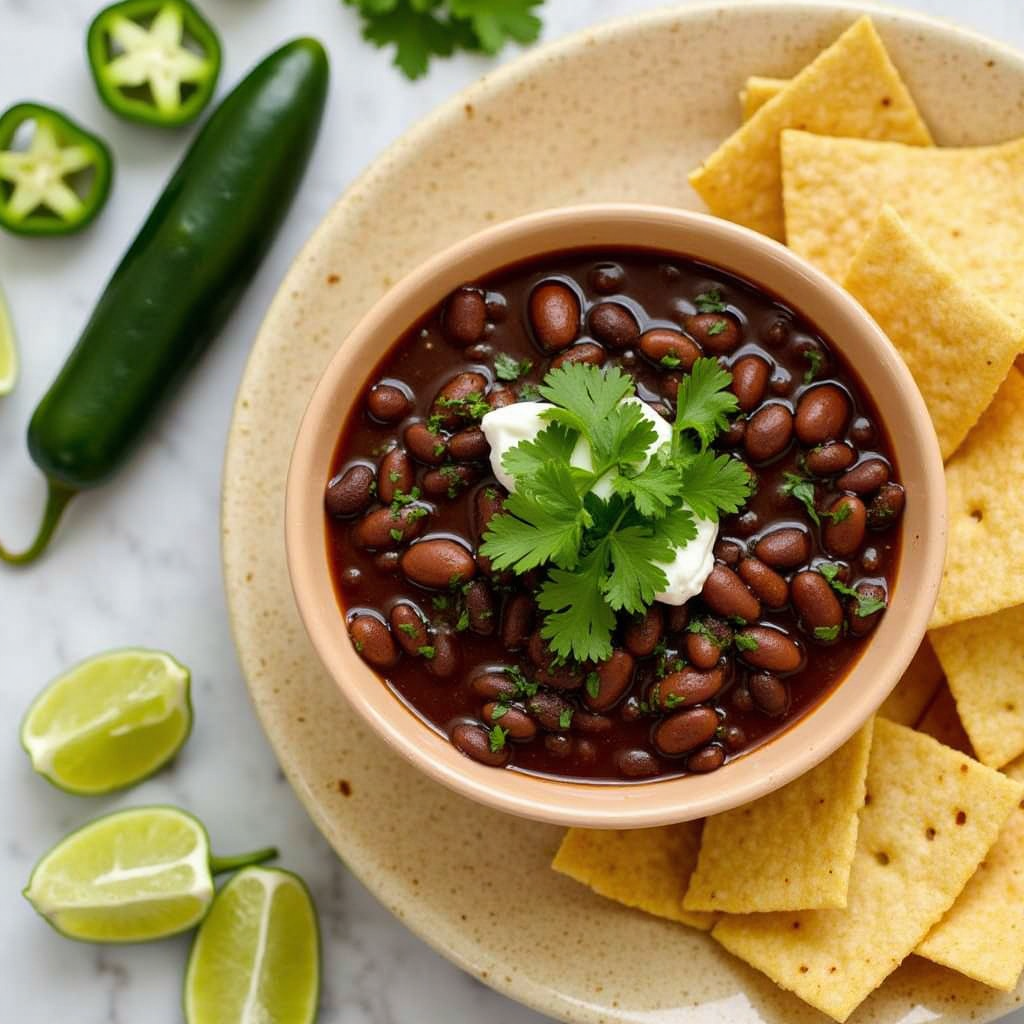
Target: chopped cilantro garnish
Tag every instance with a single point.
(604, 555)
(499, 711)
(396, 535)
(394, 476)
(529, 393)
(440, 602)
(439, 448)
(593, 684)
(401, 499)
(815, 360)
(524, 688)
(670, 361)
(717, 327)
(434, 423)
(803, 490)
(672, 701)
(463, 624)
(710, 301)
(565, 719)
(472, 406)
(427, 651)
(507, 368)
(497, 738)
(701, 628)
(866, 605)
(826, 632)
(408, 628)
(745, 642)
(843, 513)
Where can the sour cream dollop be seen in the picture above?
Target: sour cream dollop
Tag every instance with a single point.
(506, 427)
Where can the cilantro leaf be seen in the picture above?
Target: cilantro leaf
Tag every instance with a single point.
(541, 523)
(678, 527)
(636, 577)
(496, 738)
(580, 622)
(496, 21)
(555, 443)
(714, 483)
(703, 403)
(507, 368)
(826, 632)
(803, 490)
(815, 360)
(593, 685)
(866, 605)
(710, 301)
(653, 490)
(745, 642)
(565, 718)
(416, 33)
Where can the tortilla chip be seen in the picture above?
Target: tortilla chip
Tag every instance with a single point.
(850, 89)
(982, 659)
(982, 936)
(984, 571)
(966, 204)
(915, 689)
(757, 91)
(646, 868)
(942, 722)
(790, 850)
(958, 346)
(932, 816)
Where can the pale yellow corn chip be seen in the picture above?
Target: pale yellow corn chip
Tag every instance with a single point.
(942, 722)
(985, 670)
(958, 346)
(931, 818)
(790, 850)
(757, 91)
(915, 689)
(984, 570)
(982, 936)
(850, 89)
(646, 868)
(966, 204)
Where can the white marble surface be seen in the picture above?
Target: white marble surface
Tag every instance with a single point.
(138, 562)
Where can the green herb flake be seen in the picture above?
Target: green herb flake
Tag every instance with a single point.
(439, 449)
(524, 687)
(497, 737)
(802, 489)
(427, 652)
(710, 301)
(866, 605)
(499, 711)
(508, 368)
(670, 361)
(463, 624)
(440, 602)
(826, 632)
(394, 476)
(843, 513)
(745, 642)
(816, 360)
(529, 393)
(593, 685)
(396, 535)
(565, 719)
(408, 629)
(717, 327)
(672, 701)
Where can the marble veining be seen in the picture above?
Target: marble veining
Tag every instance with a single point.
(138, 563)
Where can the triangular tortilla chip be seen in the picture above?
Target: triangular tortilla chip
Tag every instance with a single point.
(982, 936)
(958, 346)
(790, 850)
(850, 89)
(966, 204)
(985, 671)
(646, 868)
(915, 690)
(757, 91)
(984, 570)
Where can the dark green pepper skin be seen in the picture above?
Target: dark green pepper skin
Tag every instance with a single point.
(186, 270)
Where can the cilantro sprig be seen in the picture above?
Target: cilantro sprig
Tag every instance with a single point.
(801, 488)
(422, 29)
(865, 605)
(605, 533)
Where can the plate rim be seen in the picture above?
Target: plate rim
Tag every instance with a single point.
(520, 988)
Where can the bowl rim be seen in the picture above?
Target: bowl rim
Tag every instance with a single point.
(580, 802)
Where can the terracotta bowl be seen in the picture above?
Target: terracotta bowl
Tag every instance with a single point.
(793, 751)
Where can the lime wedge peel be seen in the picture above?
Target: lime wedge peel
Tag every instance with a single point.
(110, 721)
(8, 350)
(256, 956)
(130, 876)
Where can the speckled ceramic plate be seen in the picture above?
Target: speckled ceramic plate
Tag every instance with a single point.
(621, 112)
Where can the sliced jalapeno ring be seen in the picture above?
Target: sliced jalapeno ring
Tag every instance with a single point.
(56, 183)
(154, 61)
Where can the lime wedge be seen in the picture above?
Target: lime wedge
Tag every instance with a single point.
(256, 957)
(131, 876)
(8, 352)
(109, 722)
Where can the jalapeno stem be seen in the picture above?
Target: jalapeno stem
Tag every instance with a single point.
(57, 498)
